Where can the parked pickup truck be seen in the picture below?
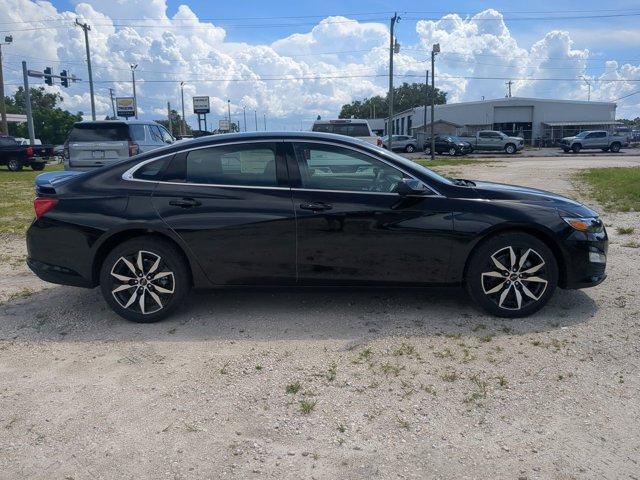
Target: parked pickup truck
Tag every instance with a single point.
(494, 140)
(351, 127)
(15, 156)
(592, 139)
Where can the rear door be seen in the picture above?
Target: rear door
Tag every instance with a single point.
(97, 144)
(231, 204)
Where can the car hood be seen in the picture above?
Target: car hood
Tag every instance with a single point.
(532, 196)
(516, 139)
(568, 139)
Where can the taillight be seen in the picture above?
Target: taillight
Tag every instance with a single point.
(29, 151)
(133, 148)
(379, 142)
(43, 204)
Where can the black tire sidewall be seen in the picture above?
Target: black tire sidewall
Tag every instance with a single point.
(409, 149)
(14, 165)
(174, 261)
(37, 166)
(510, 147)
(615, 147)
(477, 265)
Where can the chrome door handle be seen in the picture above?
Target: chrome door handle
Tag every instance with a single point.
(316, 206)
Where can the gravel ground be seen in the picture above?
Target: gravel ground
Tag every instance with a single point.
(327, 383)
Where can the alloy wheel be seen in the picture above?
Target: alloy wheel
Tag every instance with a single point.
(452, 151)
(142, 282)
(517, 277)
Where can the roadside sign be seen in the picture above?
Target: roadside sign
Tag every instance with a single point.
(201, 105)
(223, 125)
(125, 107)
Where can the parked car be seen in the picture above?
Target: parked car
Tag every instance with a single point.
(448, 144)
(494, 140)
(95, 144)
(593, 139)
(402, 143)
(303, 209)
(16, 155)
(351, 127)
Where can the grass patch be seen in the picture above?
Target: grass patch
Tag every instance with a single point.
(293, 388)
(306, 406)
(16, 204)
(616, 189)
(631, 245)
(624, 230)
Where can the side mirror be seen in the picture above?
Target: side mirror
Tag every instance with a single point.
(410, 186)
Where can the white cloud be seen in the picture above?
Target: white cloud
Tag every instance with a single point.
(327, 56)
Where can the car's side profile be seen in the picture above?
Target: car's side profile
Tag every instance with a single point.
(303, 209)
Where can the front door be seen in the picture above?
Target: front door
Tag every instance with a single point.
(354, 229)
(231, 204)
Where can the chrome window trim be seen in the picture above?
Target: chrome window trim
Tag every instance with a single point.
(128, 175)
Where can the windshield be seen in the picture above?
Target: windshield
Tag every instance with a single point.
(456, 139)
(403, 161)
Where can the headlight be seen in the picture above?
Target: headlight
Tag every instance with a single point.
(587, 224)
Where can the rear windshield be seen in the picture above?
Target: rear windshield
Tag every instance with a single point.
(96, 132)
(348, 129)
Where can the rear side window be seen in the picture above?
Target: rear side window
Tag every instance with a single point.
(251, 165)
(137, 133)
(153, 170)
(96, 132)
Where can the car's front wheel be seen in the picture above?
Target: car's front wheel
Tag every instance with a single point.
(37, 166)
(409, 148)
(144, 279)
(512, 275)
(452, 151)
(510, 149)
(615, 147)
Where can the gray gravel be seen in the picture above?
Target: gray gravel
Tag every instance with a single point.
(399, 383)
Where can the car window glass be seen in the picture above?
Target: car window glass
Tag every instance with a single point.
(251, 165)
(602, 134)
(152, 170)
(328, 167)
(99, 132)
(8, 142)
(137, 133)
(166, 136)
(154, 134)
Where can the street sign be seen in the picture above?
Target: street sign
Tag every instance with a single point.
(201, 105)
(125, 107)
(223, 125)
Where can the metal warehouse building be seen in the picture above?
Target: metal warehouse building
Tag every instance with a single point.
(531, 118)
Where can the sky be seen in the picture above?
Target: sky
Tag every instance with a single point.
(292, 61)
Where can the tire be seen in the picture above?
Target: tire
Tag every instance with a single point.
(615, 147)
(38, 166)
(409, 149)
(566, 150)
(14, 165)
(510, 148)
(576, 148)
(427, 150)
(453, 151)
(159, 296)
(605, 149)
(487, 283)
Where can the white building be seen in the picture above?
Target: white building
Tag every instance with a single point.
(531, 118)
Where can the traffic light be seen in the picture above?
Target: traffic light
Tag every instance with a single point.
(64, 80)
(47, 76)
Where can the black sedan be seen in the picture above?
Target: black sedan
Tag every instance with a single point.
(448, 144)
(303, 209)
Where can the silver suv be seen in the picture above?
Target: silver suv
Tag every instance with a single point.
(94, 144)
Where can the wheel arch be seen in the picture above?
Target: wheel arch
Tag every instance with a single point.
(537, 232)
(109, 243)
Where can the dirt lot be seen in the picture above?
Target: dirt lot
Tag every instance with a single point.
(328, 383)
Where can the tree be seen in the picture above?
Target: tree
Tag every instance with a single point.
(51, 123)
(404, 97)
(174, 127)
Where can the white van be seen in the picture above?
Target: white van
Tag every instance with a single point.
(351, 127)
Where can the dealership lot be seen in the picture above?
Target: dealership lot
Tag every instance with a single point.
(329, 383)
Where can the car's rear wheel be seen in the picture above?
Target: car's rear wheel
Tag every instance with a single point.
(409, 148)
(615, 147)
(512, 275)
(37, 166)
(144, 279)
(14, 165)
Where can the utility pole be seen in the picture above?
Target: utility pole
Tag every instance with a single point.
(27, 102)
(229, 112)
(4, 127)
(86, 28)
(265, 121)
(392, 47)
(434, 51)
(183, 124)
(113, 107)
(256, 114)
(169, 118)
(426, 102)
(508, 84)
(244, 114)
(133, 80)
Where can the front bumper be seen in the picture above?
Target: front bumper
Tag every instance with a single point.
(585, 259)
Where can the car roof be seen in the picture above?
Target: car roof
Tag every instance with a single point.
(341, 121)
(116, 122)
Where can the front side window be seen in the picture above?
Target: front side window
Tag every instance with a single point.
(154, 134)
(329, 167)
(250, 165)
(137, 133)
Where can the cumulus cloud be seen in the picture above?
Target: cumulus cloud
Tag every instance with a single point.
(295, 78)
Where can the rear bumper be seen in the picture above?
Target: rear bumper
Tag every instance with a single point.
(57, 274)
